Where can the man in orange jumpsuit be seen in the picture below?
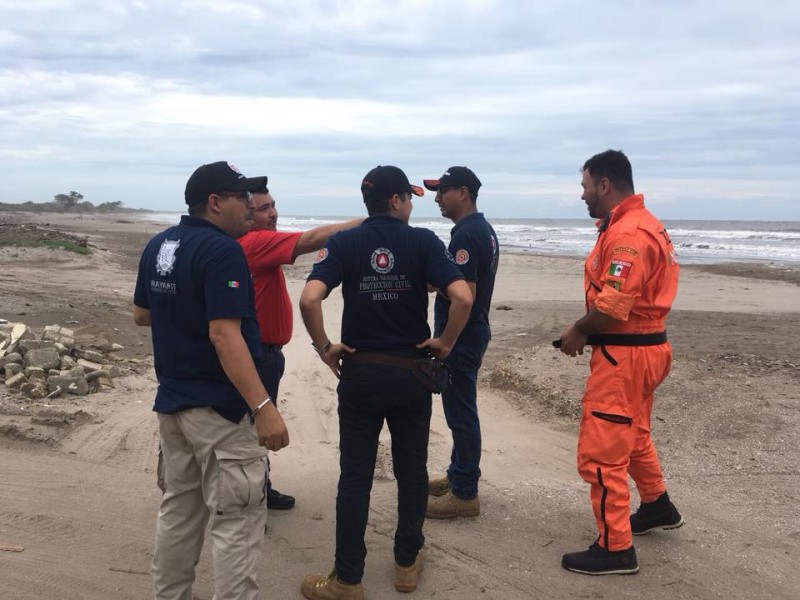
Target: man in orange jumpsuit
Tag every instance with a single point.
(631, 278)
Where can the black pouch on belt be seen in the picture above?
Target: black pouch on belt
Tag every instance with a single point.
(433, 374)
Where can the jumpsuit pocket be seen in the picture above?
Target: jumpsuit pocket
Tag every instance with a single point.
(620, 419)
(240, 481)
(608, 356)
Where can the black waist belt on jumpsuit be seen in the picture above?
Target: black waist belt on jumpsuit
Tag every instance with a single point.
(621, 339)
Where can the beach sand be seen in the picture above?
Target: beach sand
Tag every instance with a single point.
(79, 494)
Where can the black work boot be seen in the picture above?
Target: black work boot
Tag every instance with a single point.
(599, 561)
(659, 514)
(278, 501)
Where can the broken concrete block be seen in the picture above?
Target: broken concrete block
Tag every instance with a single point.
(115, 371)
(98, 374)
(92, 356)
(16, 381)
(116, 347)
(46, 358)
(88, 366)
(60, 348)
(25, 345)
(74, 385)
(69, 342)
(67, 363)
(34, 373)
(12, 369)
(13, 357)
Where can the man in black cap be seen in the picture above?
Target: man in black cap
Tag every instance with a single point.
(193, 289)
(474, 247)
(384, 267)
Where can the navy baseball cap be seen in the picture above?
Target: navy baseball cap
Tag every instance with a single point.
(219, 177)
(385, 181)
(455, 177)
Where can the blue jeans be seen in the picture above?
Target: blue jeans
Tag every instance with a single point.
(270, 370)
(460, 402)
(368, 394)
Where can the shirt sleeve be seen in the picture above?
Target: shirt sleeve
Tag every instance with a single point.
(140, 291)
(466, 253)
(268, 250)
(626, 266)
(328, 267)
(440, 268)
(226, 283)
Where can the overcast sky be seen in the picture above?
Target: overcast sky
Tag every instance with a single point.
(122, 100)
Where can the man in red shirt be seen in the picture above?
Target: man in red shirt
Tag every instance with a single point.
(631, 278)
(267, 250)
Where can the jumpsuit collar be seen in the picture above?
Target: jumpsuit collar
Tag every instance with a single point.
(630, 203)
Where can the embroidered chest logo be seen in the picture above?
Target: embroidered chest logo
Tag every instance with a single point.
(165, 261)
(382, 260)
(321, 255)
(462, 257)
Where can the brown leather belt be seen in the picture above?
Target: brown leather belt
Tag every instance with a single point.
(382, 359)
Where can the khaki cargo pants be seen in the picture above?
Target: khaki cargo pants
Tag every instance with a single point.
(213, 472)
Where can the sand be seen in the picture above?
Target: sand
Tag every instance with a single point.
(78, 494)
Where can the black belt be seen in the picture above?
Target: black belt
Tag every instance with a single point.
(623, 339)
(271, 348)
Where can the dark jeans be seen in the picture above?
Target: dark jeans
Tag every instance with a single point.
(368, 394)
(270, 369)
(460, 402)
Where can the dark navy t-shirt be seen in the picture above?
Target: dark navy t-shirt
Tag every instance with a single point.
(384, 267)
(189, 275)
(474, 247)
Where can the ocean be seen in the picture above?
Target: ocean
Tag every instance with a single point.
(696, 242)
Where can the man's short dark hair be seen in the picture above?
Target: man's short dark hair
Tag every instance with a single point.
(198, 209)
(377, 206)
(612, 165)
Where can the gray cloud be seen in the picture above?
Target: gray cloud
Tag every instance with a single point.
(122, 100)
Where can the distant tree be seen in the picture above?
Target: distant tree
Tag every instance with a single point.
(110, 206)
(68, 202)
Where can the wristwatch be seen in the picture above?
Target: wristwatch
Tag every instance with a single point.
(322, 349)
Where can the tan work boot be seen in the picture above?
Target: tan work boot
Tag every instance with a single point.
(449, 506)
(406, 578)
(330, 587)
(438, 487)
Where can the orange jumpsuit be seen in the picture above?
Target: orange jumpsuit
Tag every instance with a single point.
(632, 276)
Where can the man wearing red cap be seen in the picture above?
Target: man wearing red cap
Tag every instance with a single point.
(631, 278)
(267, 250)
(474, 247)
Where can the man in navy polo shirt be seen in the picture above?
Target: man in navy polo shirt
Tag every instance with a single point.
(474, 247)
(384, 267)
(193, 289)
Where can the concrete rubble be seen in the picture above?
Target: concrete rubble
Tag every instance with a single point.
(50, 363)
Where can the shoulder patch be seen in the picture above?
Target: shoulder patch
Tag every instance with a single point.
(462, 257)
(619, 268)
(626, 250)
(321, 255)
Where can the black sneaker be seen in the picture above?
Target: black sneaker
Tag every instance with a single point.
(278, 501)
(599, 561)
(659, 514)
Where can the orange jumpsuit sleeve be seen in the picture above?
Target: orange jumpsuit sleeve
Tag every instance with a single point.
(626, 263)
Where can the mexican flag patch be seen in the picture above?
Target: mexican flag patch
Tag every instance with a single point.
(619, 268)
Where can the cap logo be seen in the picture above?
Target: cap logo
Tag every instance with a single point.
(165, 261)
(366, 183)
(446, 174)
(382, 261)
(236, 170)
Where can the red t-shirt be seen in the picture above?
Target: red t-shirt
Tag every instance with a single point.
(266, 252)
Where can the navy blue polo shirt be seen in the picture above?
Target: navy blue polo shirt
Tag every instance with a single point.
(384, 267)
(476, 251)
(189, 275)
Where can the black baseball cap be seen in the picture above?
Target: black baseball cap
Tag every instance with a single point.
(385, 181)
(219, 177)
(455, 177)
